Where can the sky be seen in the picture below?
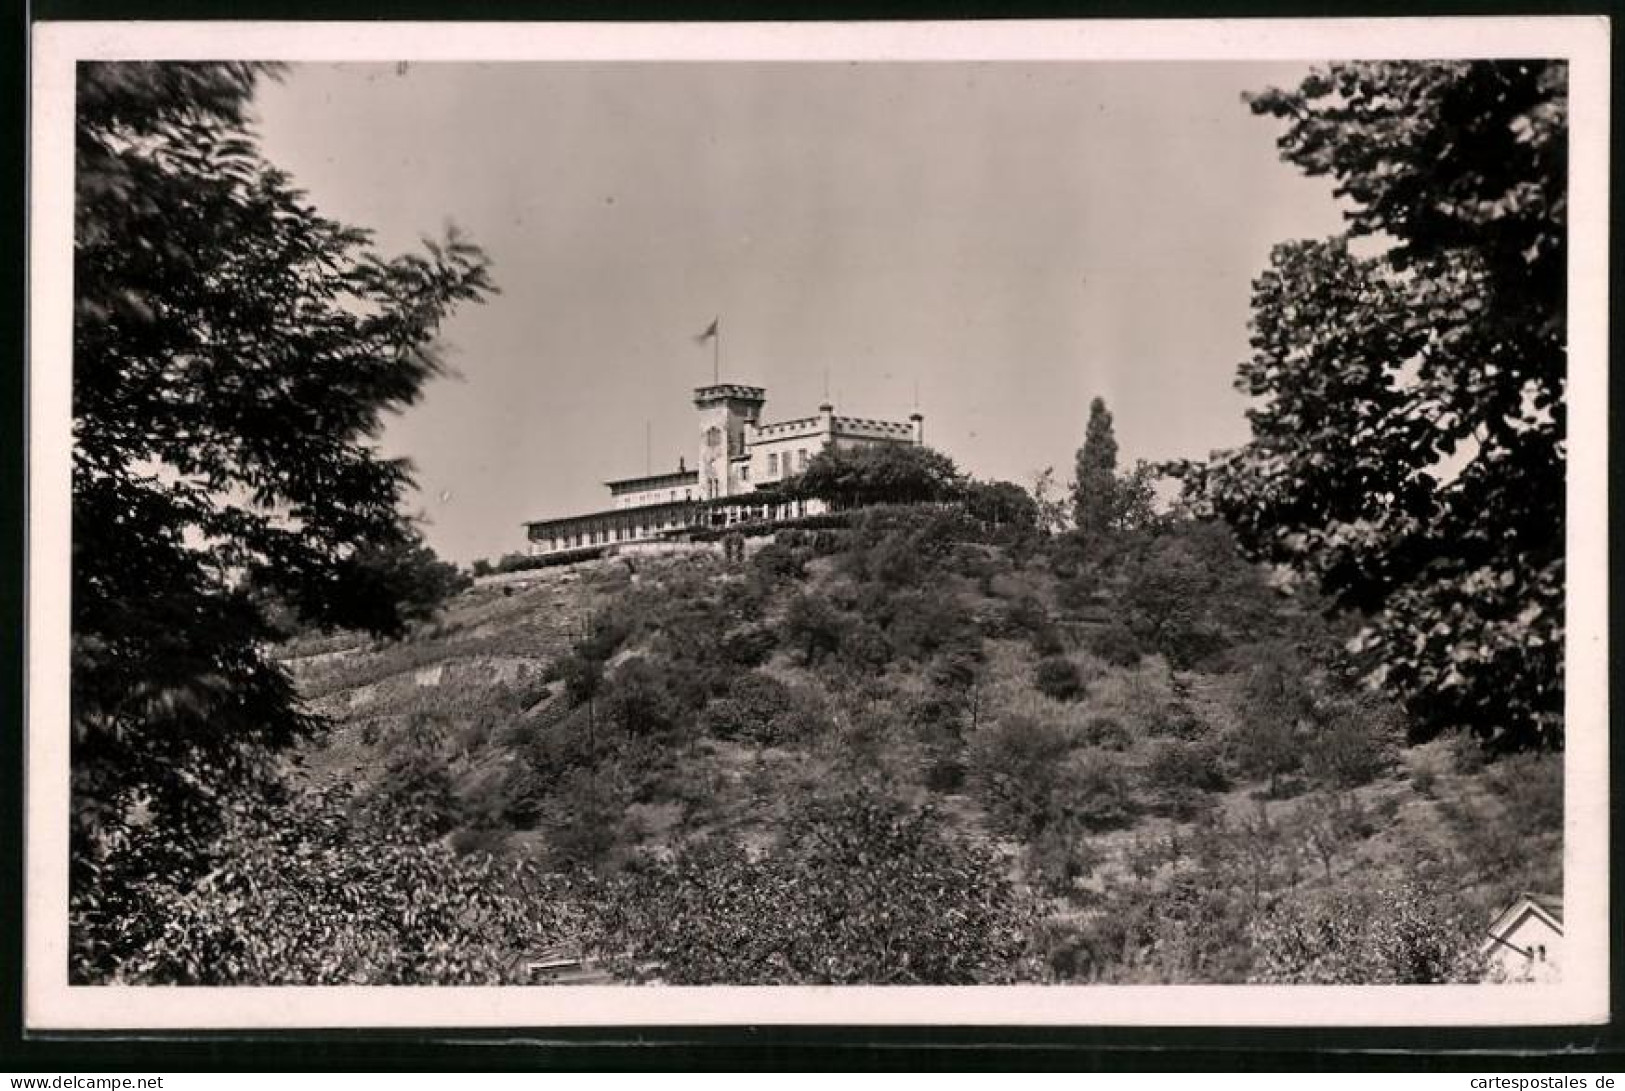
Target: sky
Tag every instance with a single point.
(1009, 240)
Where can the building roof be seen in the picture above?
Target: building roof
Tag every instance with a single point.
(610, 515)
(1551, 903)
(672, 477)
(1547, 907)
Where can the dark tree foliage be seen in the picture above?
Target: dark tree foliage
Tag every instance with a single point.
(304, 891)
(1001, 504)
(397, 581)
(1189, 594)
(1408, 438)
(234, 354)
(880, 474)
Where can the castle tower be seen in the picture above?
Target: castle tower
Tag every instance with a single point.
(725, 410)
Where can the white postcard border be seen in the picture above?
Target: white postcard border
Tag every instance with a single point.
(50, 1002)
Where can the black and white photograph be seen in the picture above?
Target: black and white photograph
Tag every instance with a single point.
(1058, 517)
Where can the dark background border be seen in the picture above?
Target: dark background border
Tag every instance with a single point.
(1553, 1049)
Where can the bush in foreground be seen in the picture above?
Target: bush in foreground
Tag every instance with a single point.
(1400, 936)
(301, 892)
(859, 889)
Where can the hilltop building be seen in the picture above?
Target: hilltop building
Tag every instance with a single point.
(737, 456)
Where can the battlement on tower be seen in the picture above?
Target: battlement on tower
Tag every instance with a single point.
(729, 392)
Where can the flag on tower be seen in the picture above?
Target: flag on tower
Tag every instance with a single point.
(710, 332)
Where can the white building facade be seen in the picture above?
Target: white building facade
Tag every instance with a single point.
(737, 456)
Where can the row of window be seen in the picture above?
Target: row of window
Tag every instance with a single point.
(802, 459)
(641, 499)
(606, 536)
(772, 466)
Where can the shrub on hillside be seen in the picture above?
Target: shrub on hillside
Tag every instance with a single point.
(1332, 824)
(1013, 766)
(807, 718)
(640, 698)
(894, 561)
(1115, 643)
(759, 708)
(1176, 719)
(1095, 789)
(858, 889)
(415, 786)
(1029, 777)
(1254, 855)
(1181, 775)
(1275, 703)
(1059, 857)
(779, 562)
(944, 769)
(1021, 616)
(749, 645)
(1078, 588)
(920, 623)
(1404, 935)
(1142, 932)
(1188, 593)
(1048, 642)
(1511, 836)
(958, 662)
(1424, 773)
(940, 714)
(605, 635)
(864, 648)
(582, 676)
(1355, 740)
(1468, 753)
(829, 541)
(1107, 733)
(813, 627)
(903, 546)
(1057, 677)
(551, 749)
(587, 818)
(1530, 787)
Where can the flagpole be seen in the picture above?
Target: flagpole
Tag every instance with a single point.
(714, 332)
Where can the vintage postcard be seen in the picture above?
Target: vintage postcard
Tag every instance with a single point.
(1076, 523)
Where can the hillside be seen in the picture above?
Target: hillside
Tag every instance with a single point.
(1134, 763)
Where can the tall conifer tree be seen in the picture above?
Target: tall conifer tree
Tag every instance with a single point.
(1094, 491)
